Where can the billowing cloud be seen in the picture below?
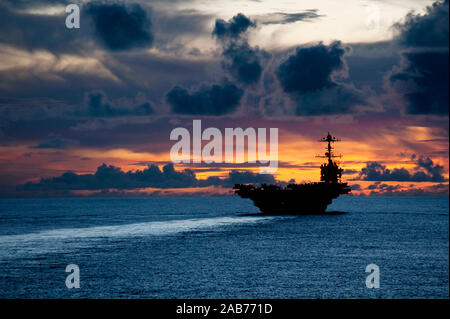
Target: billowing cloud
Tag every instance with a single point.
(310, 77)
(426, 171)
(310, 69)
(121, 26)
(234, 28)
(111, 177)
(241, 60)
(427, 30)
(208, 100)
(433, 170)
(422, 78)
(424, 82)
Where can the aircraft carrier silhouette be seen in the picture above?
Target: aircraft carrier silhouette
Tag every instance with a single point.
(298, 199)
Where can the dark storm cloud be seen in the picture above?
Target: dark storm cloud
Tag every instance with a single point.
(107, 177)
(424, 81)
(98, 106)
(427, 30)
(433, 170)
(309, 76)
(423, 77)
(426, 171)
(286, 18)
(56, 143)
(121, 26)
(311, 68)
(208, 100)
(241, 60)
(234, 28)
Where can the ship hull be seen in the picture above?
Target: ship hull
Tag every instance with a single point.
(296, 199)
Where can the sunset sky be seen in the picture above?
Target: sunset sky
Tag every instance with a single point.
(372, 73)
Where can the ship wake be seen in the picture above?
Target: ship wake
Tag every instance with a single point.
(62, 240)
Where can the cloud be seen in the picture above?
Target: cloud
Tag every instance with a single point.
(208, 100)
(340, 99)
(98, 106)
(240, 59)
(233, 29)
(373, 186)
(30, 4)
(349, 172)
(425, 171)
(243, 62)
(310, 69)
(433, 170)
(427, 30)
(286, 18)
(422, 77)
(23, 29)
(67, 78)
(238, 177)
(111, 177)
(56, 143)
(121, 26)
(175, 31)
(398, 190)
(424, 81)
(113, 25)
(309, 76)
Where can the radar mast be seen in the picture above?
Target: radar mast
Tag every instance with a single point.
(330, 172)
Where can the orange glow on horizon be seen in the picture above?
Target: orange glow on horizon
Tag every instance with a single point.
(297, 156)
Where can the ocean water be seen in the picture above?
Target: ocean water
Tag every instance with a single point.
(209, 247)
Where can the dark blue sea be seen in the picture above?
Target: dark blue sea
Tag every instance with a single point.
(190, 247)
